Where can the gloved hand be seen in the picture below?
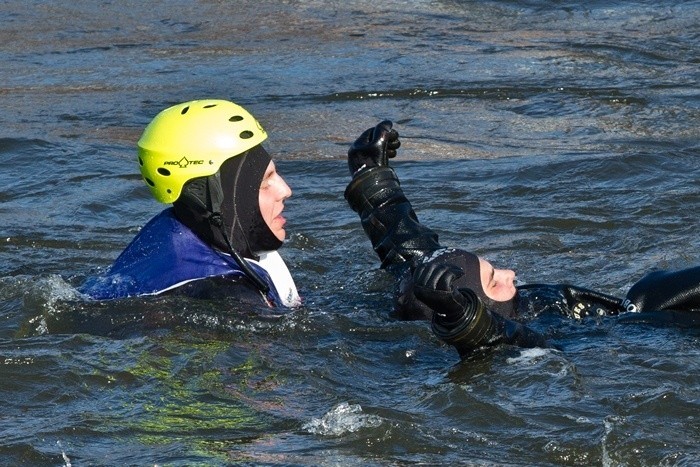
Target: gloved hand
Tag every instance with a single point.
(460, 318)
(666, 290)
(434, 285)
(374, 147)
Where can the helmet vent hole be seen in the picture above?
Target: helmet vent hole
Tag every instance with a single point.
(163, 171)
(184, 111)
(140, 162)
(235, 118)
(209, 106)
(149, 181)
(246, 134)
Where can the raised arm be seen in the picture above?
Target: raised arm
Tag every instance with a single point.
(375, 194)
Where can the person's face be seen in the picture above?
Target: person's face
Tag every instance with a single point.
(273, 191)
(498, 284)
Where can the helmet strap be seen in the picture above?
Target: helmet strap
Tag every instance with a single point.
(205, 196)
(215, 197)
(216, 221)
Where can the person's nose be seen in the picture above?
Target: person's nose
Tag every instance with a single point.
(285, 191)
(507, 276)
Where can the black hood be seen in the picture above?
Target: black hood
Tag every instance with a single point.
(227, 203)
(471, 279)
(409, 307)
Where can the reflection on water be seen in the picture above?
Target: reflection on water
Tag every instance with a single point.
(559, 140)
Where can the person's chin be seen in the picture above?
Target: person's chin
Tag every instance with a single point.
(280, 233)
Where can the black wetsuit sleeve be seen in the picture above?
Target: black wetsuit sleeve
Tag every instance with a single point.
(484, 329)
(568, 300)
(388, 218)
(666, 290)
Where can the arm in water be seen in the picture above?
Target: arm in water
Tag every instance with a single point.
(665, 298)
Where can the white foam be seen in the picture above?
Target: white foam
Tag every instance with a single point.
(341, 419)
(528, 356)
(43, 293)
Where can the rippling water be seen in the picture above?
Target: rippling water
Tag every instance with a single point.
(556, 138)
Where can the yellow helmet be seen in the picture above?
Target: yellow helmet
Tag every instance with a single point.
(192, 140)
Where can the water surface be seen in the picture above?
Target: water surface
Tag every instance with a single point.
(556, 138)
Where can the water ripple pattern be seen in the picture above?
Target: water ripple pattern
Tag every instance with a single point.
(559, 139)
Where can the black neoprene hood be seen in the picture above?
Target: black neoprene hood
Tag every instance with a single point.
(227, 203)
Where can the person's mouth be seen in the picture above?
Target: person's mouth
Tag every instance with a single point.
(280, 219)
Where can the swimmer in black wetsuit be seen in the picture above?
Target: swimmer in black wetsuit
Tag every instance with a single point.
(470, 303)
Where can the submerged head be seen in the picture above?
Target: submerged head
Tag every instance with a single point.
(206, 158)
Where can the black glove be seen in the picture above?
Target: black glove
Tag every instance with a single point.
(666, 290)
(434, 286)
(373, 148)
(459, 316)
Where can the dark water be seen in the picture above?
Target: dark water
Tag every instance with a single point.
(557, 138)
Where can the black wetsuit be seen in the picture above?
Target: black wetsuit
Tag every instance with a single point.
(403, 244)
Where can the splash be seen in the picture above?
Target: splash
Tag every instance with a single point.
(66, 459)
(40, 297)
(343, 418)
(528, 356)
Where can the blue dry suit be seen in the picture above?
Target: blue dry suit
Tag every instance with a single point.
(166, 255)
